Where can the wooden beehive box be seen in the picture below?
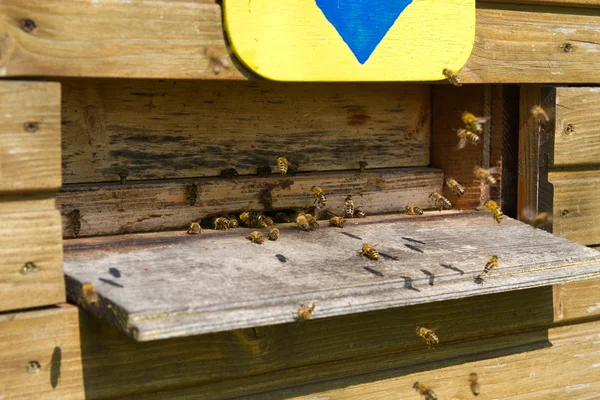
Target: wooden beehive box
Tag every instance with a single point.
(115, 109)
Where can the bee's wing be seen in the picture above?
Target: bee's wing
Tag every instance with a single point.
(461, 144)
(494, 170)
(483, 120)
(529, 213)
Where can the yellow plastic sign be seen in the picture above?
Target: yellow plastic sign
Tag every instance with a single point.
(351, 40)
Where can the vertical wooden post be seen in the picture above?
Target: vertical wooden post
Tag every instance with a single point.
(529, 139)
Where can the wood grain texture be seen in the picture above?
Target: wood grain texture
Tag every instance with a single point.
(565, 3)
(564, 369)
(276, 356)
(155, 206)
(576, 301)
(172, 284)
(29, 136)
(575, 205)
(111, 38)
(510, 148)
(529, 150)
(576, 132)
(49, 337)
(31, 237)
(175, 129)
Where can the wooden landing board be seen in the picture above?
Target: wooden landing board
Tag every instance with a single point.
(110, 209)
(357, 40)
(175, 129)
(29, 135)
(173, 284)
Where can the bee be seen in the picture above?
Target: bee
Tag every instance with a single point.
(256, 237)
(273, 234)
(413, 210)
(440, 201)
(302, 222)
(538, 113)
(361, 166)
(123, 177)
(283, 165)
(193, 194)
(194, 228)
(269, 221)
(263, 171)
(320, 197)
(491, 264)
(305, 311)
(75, 218)
(472, 123)
(258, 223)
(541, 220)
(90, 296)
(485, 175)
(253, 219)
(282, 217)
(338, 222)
(455, 186)
(312, 222)
(428, 336)
(424, 391)
(266, 198)
(230, 173)
(452, 77)
(233, 222)
(359, 213)
(370, 252)
(493, 207)
(349, 207)
(466, 137)
(221, 224)
(473, 378)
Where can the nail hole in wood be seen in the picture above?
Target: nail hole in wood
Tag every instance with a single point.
(28, 25)
(569, 129)
(567, 47)
(564, 213)
(33, 367)
(28, 267)
(31, 127)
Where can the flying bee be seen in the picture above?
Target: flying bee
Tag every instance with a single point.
(90, 296)
(491, 264)
(473, 378)
(361, 166)
(472, 123)
(302, 222)
(541, 220)
(466, 137)
(538, 113)
(230, 173)
(349, 207)
(266, 198)
(455, 186)
(221, 224)
(452, 77)
(413, 210)
(424, 391)
(194, 228)
(338, 222)
(273, 234)
(193, 194)
(312, 222)
(282, 217)
(428, 336)
(256, 237)
(75, 221)
(305, 311)
(440, 201)
(359, 213)
(370, 252)
(320, 197)
(283, 165)
(493, 207)
(485, 175)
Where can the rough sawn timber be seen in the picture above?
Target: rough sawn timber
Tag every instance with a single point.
(178, 285)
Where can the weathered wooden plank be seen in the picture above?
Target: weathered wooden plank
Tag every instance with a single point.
(576, 132)
(529, 151)
(41, 355)
(172, 284)
(146, 207)
(565, 3)
(31, 263)
(158, 129)
(577, 301)
(147, 39)
(575, 205)
(29, 136)
(567, 370)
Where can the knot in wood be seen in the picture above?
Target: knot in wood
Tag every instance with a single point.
(27, 25)
(31, 126)
(569, 129)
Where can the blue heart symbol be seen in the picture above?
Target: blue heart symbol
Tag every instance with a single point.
(362, 23)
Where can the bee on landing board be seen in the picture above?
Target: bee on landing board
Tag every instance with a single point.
(337, 222)
(320, 197)
(466, 137)
(256, 237)
(348, 207)
(221, 224)
(424, 391)
(428, 336)
(485, 175)
(312, 222)
(473, 123)
(494, 208)
(273, 234)
(370, 252)
(305, 311)
(452, 77)
(193, 198)
(455, 186)
(302, 222)
(75, 219)
(490, 265)
(473, 379)
(89, 294)
(359, 213)
(440, 201)
(538, 113)
(283, 165)
(194, 228)
(230, 173)
(413, 210)
(233, 222)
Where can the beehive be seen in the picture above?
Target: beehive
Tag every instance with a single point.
(141, 100)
